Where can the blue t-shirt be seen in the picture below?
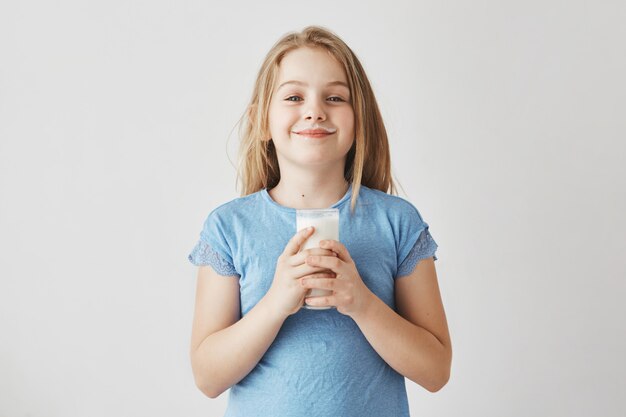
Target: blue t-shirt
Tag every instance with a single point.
(320, 363)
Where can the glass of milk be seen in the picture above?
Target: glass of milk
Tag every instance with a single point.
(326, 223)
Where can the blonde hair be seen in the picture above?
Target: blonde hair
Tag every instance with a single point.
(368, 162)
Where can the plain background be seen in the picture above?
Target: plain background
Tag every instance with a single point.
(117, 126)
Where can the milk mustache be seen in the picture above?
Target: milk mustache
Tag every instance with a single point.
(326, 223)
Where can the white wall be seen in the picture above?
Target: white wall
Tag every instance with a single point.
(507, 125)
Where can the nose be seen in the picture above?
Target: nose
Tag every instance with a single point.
(314, 111)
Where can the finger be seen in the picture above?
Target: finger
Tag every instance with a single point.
(304, 269)
(317, 251)
(324, 301)
(293, 246)
(338, 248)
(298, 259)
(305, 281)
(324, 274)
(329, 262)
(321, 283)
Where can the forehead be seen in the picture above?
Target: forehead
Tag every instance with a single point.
(314, 65)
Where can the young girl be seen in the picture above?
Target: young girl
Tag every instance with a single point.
(314, 138)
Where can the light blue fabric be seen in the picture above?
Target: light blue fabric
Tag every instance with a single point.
(320, 364)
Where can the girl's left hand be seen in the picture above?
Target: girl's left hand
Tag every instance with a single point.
(350, 294)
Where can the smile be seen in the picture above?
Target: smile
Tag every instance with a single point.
(314, 135)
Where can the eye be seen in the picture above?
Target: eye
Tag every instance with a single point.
(338, 99)
(290, 98)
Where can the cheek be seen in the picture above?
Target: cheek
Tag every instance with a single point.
(280, 118)
(348, 120)
(275, 122)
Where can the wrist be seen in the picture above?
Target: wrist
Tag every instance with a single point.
(271, 309)
(368, 304)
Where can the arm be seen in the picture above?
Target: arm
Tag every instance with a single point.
(224, 348)
(415, 340)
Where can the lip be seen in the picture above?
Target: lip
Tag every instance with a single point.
(315, 133)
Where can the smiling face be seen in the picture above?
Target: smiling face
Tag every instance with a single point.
(311, 119)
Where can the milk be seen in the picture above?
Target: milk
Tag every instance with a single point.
(326, 223)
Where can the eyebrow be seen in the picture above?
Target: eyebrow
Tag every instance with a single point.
(332, 83)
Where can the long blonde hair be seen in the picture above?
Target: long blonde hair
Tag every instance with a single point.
(368, 162)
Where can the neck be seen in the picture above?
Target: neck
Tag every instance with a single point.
(317, 191)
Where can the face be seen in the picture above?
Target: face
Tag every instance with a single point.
(310, 116)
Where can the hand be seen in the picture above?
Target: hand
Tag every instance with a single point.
(286, 294)
(350, 294)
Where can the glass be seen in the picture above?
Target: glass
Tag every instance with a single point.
(326, 223)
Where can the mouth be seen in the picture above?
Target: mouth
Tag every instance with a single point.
(316, 133)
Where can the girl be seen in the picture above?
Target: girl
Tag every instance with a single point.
(314, 138)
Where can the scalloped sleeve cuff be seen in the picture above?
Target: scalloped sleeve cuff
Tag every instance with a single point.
(424, 247)
(203, 254)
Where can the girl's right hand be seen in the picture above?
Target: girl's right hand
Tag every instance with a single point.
(286, 295)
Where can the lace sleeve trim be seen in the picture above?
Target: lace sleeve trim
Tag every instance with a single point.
(203, 254)
(425, 247)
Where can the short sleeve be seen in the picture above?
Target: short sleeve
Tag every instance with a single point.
(415, 241)
(213, 248)
(425, 247)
